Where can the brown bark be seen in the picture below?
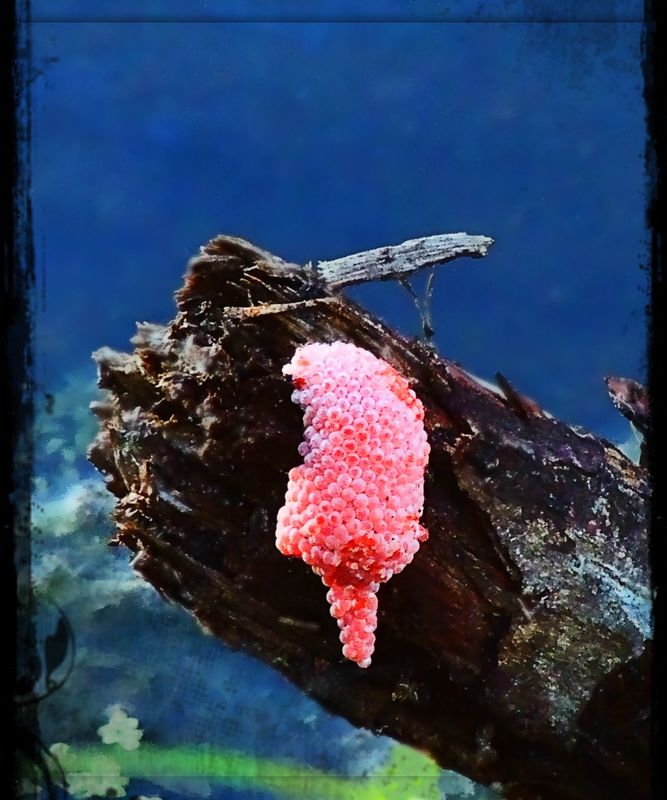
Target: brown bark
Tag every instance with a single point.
(513, 649)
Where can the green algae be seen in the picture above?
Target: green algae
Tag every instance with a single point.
(407, 775)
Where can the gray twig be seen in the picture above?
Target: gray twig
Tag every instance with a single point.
(384, 263)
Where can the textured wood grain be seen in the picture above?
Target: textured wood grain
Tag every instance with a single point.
(401, 260)
(514, 649)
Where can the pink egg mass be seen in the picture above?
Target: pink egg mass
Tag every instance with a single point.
(352, 508)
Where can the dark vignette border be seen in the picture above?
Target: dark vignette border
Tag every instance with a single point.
(655, 85)
(19, 659)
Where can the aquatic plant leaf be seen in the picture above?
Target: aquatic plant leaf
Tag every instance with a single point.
(56, 646)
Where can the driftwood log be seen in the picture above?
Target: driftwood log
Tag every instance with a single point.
(514, 649)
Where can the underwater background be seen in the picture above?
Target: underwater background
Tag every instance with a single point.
(313, 140)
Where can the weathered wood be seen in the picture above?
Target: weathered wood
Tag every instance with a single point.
(514, 649)
(401, 260)
(631, 399)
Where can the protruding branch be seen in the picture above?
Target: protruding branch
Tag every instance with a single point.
(631, 399)
(384, 263)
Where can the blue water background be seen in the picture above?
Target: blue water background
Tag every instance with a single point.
(313, 141)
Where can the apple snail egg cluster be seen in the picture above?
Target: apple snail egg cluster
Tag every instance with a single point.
(352, 508)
